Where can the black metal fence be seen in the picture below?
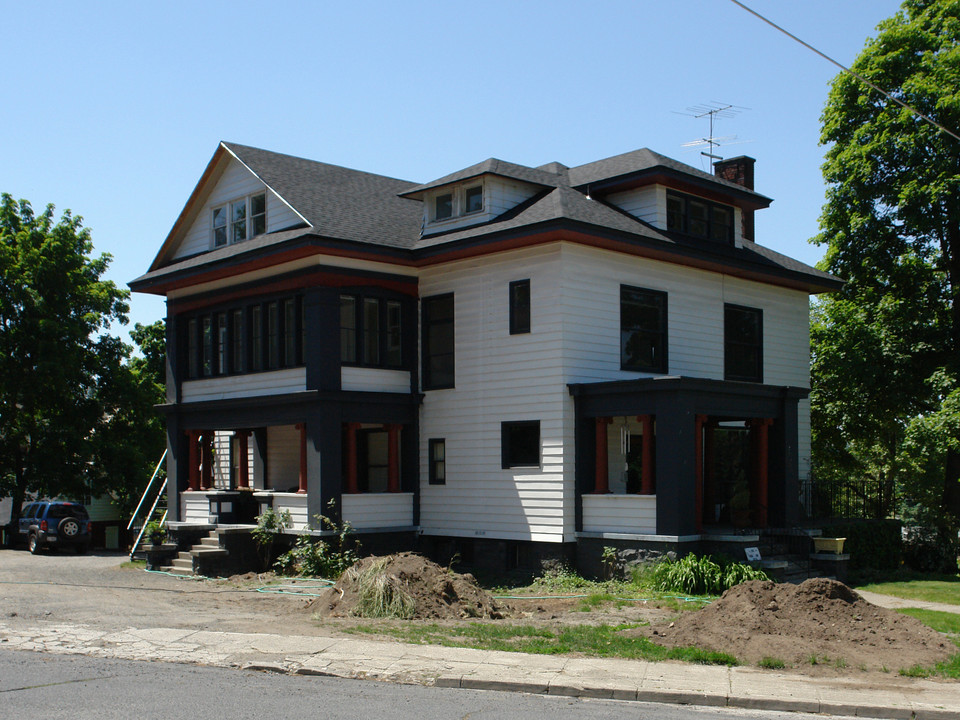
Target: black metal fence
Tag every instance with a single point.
(861, 498)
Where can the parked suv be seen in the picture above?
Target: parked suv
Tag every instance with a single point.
(54, 524)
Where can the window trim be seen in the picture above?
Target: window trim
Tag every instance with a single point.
(249, 219)
(727, 342)
(664, 364)
(709, 206)
(458, 201)
(435, 477)
(506, 450)
(425, 352)
(520, 314)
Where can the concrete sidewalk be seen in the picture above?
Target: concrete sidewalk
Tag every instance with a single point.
(479, 669)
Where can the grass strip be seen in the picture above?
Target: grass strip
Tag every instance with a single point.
(940, 591)
(945, 622)
(589, 640)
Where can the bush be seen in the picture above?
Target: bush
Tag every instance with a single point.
(703, 575)
(326, 558)
(931, 549)
(871, 544)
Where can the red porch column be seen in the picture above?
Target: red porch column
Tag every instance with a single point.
(193, 477)
(602, 480)
(243, 468)
(393, 458)
(302, 427)
(206, 459)
(698, 460)
(352, 457)
(646, 455)
(762, 427)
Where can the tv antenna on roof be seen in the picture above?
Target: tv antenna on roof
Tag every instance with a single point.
(712, 110)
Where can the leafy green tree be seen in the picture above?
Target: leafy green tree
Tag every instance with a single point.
(54, 359)
(886, 349)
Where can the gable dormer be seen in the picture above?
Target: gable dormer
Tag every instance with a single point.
(478, 194)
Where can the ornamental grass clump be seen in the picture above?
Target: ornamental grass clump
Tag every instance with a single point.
(379, 593)
(700, 575)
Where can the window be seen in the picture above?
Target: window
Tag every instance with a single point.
(438, 337)
(193, 356)
(370, 331)
(742, 343)
(221, 347)
(643, 330)
(290, 334)
(700, 218)
(207, 358)
(256, 338)
(238, 342)
(438, 461)
(239, 220)
(273, 335)
(519, 307)
(520, 444)
(456, 202)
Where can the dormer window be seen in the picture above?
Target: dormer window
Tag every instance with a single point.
(456, 202)
(239, 220)
(700, 218)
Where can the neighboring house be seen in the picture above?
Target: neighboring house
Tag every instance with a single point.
(512, 362)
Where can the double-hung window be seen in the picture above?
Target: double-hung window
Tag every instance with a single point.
(438, 342)
(456, 201)
(519, 307)
(643, 330)
(520, 444)
(239, 220)
(742, 343)
(438, 461)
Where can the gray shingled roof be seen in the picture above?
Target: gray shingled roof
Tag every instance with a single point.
(351, 206)
(338, 202)
(491, 166)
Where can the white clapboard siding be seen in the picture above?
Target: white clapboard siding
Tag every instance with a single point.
(499, 377)
(195, 507)
(296, 505)
(276, 382)
(283, 457)
(499, 195)
(367, 511)
(374, 380)
(221, 459)
(635, 514)
(646, 203)
(235, 183)
(101, 509)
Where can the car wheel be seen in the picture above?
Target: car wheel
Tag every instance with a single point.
(69, 528)
(33, 545)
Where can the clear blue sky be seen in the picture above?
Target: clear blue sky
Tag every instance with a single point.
(112, 109)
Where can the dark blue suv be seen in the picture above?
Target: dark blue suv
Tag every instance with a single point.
(54, 524)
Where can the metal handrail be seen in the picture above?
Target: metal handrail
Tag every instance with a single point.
(147, 491)
(156, 500)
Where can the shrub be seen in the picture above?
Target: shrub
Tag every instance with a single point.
(328, 557)
(931, 549)
(872, 544)
(700, 575)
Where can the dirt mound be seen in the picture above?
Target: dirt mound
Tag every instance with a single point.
(817, 623)
(436, 593)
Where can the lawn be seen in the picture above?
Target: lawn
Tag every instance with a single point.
(945, 590)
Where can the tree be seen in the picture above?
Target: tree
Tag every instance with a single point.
(886, 349)
(54, 359)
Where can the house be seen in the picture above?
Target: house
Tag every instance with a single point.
(513, 363)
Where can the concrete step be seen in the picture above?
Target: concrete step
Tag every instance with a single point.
(209, 542)
(177, 570)
(182, 564)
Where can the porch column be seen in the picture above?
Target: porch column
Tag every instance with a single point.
(193, 478)
(352, 428)
(302, 427)
(762, 456)
(646, 455)
(393, 458)
(206, 460)
(243, 467)
(602, 482)
(699, 422)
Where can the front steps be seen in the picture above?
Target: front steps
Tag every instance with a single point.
(187, 562)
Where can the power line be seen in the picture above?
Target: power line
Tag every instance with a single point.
(847, 70)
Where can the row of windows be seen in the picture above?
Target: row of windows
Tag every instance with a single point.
(700, 218)
(371, 331)
(263, 336)
(519, 448)
(643, 336)
(462, 200)
(239, 220)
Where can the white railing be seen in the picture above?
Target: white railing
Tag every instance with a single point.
(153, 507)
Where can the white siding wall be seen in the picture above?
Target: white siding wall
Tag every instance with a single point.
(221, 459)
(236, 182)
(296, 505)
(374, 379)
(283, 457)
(499, 377)
(647, 203)
(633, 514)
(277, 382)
(378, 510)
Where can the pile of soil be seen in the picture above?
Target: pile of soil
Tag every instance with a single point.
(437, 593)
(819, 620)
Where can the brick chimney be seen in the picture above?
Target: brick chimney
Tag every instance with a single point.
(739, 170)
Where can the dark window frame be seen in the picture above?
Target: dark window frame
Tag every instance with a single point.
(684, 220)
(661, 334)
(390, 355)
(520, 307)
(508, 445)
(731, 345)
(428, 353)
(437, 475)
